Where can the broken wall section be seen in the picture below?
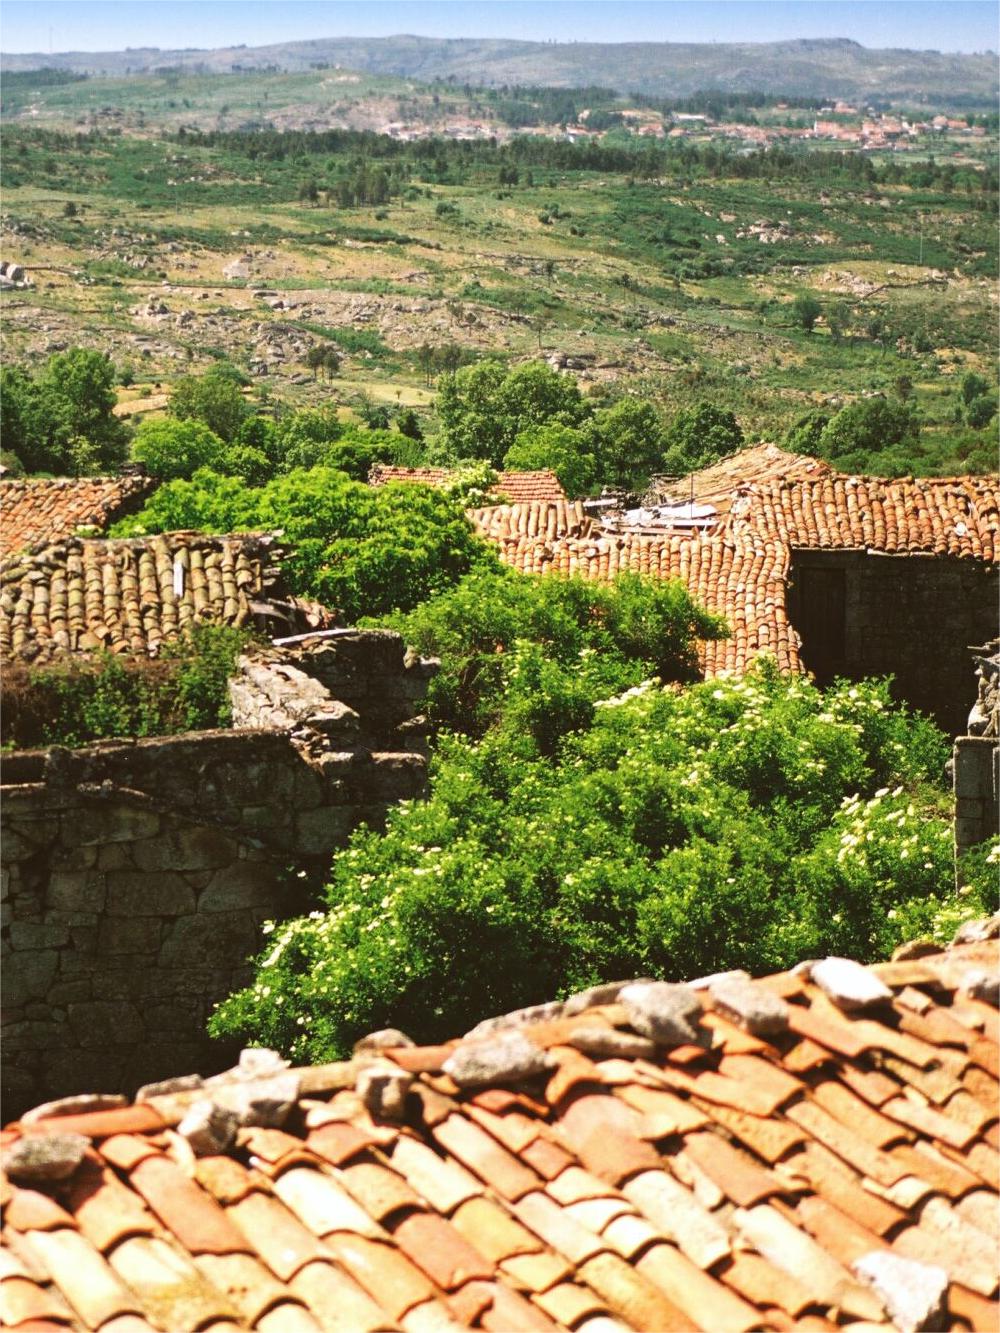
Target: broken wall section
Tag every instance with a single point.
(136, 875)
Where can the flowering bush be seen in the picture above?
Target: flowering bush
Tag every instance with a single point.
(739, 823)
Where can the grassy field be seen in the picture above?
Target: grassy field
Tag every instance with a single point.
(170, 253)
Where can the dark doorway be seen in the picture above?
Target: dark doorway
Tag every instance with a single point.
(822, 621)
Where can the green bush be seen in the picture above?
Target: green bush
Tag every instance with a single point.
(608, 637)
(666, 833)
(186, 689)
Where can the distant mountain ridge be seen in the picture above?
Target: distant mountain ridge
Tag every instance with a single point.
(834, 67)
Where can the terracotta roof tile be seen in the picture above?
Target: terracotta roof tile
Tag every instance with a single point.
(384, 1272)
(133, 595)
(34, 510)
(519, 487)
(622, 1196)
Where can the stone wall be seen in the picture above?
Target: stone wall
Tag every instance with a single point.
(911, 616)
(976, 770)
(136, 875)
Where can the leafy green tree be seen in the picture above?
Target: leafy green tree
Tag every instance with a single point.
(559, 448)
(981, 410)
(806, 310)
(866, 433)
(62, 419)
(361, 549)
(171, 449)
(627, 440)
(698, 436)
(483, 408)
(408, 424)
(214, 399)
(973, 386)
(804, 436)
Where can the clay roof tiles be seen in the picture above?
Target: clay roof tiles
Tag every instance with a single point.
(835, 1172)
(518, 487)
(129, 595)
(34, 510)
(952, 516)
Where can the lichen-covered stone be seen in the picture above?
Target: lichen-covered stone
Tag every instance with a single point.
(265, 1102)
(610, 1044)
(209, 1129)
(494, 1061)
(665, 1012)
(386, 1039)
(80, 1104)
(517, 1018)
(40, 1159)
(383, 1089)
(759, 1011)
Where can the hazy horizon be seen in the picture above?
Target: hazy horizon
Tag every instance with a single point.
(61, 27)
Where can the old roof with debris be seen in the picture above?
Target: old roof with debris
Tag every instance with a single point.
(738, 567)
(518, 487)
(811, 1150)
(33, 510)
(720, 483)
(133, 594)
(732, 576)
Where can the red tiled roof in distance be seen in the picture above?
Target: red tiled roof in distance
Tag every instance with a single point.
(754, 1178)
(34, 510)
(517, 487)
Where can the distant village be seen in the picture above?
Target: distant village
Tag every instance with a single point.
(838, 123)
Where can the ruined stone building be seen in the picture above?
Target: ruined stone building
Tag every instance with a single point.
(836, 575)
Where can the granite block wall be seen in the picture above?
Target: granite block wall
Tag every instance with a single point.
(136, 875)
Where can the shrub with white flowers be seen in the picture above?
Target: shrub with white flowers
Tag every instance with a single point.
(671, 832)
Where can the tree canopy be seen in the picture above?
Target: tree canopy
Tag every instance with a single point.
(61, 420)
(483, 408)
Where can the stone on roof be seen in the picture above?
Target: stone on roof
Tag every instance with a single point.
(839, 1171)
(34, 510)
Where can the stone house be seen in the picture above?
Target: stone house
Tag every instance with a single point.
(835, 575)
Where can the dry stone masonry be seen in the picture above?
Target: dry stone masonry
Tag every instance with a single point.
(137, 874)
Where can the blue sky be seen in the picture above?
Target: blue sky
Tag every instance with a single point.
(95, 25)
